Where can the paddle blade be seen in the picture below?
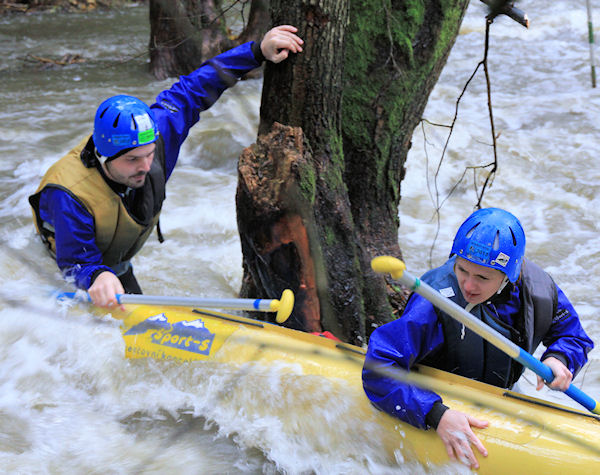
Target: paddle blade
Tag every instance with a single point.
(388, 265)
(283, 306)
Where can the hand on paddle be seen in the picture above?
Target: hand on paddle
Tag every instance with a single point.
(455, 431)
(104, 290)
(279, 42)
(562, 375)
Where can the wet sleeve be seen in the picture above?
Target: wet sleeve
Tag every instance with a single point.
(567, 340)
(77, 255)
(393, 349)
(177, 109)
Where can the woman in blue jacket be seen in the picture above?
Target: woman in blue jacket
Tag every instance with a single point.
(488, 275)
(96, 206)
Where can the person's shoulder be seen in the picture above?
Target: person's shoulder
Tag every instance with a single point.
(531, 270)
(528, 263)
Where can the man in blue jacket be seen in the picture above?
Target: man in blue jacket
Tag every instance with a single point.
(96, 206)
(488, 275)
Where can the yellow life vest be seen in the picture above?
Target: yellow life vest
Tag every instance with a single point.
(119, 235)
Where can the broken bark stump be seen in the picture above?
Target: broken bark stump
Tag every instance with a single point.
(275, 236)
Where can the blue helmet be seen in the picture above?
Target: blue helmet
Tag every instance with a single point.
(493, 238)
(123, 122)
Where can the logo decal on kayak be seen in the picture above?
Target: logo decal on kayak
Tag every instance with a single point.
(186, 335)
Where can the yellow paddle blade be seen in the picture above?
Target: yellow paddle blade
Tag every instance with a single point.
(388, 265)
(284, 306)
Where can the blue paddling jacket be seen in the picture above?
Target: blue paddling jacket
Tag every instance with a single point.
(534, 310)
(68, 227)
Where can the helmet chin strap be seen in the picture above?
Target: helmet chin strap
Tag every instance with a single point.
(104, 161)
(503, 284)
(101, 158)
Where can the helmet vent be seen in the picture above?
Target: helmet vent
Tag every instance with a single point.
(496, 244)
(133, 123)
(513, 236)
(103, 112)
(116, 122)
(472, 230)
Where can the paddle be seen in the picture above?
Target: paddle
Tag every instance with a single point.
(283, 307)
(397, 269)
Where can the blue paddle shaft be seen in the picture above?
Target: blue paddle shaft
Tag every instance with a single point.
(546, 373)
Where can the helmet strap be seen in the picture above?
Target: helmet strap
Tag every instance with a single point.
(106, 170)
(503, 284)
(101, 158)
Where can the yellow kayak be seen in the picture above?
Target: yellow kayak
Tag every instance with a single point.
(525, 435)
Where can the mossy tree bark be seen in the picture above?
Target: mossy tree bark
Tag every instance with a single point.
(319, 192)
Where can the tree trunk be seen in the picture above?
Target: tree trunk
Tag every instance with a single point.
(348, 104)
(258, 23)
(184, 34)
(35, 6)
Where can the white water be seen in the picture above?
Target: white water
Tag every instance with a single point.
(71, 403)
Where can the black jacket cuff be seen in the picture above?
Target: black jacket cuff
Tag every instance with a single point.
(257, 52)
(96, 273)
(560, 357)
(435, 414)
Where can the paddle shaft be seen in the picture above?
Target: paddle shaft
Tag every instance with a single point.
(494, 337)
(283, 307)
(256, 305)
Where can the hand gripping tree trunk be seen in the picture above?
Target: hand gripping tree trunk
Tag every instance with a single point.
(318, 194)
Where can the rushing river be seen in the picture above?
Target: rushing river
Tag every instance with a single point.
(71, 403)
